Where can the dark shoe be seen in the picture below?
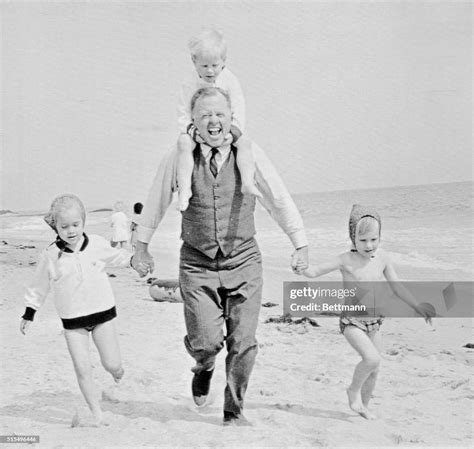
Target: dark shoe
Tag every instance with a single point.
(235, 419)
(201, 385)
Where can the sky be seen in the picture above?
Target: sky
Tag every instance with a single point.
(340, 95)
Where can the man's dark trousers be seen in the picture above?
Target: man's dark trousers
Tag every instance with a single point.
(218, 291)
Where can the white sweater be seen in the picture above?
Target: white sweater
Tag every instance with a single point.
(81, 286)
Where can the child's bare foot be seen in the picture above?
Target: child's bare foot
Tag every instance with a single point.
(355, 403)
(80, 420)
(250, 189)
(118, 375)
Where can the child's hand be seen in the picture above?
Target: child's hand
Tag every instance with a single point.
(299, 260)
(425, 313)
(24, 325)
(300, 267)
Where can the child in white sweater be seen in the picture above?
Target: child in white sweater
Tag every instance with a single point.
(73, 267)
(209, 52)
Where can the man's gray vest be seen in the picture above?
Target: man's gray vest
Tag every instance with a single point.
(218, 215)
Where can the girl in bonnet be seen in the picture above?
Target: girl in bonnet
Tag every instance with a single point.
(364, 262)
(73, 268)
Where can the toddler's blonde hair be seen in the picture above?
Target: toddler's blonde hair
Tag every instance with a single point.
(64, 202)
(208, 41)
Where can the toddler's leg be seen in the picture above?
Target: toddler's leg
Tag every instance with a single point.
(78, 345)
(369, 384)
(105, 339)
(185, 169)
(246, 166)
(361, 342)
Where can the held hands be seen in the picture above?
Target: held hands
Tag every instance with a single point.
(426, 314)
(299, 260)
(24, 325)
(142, 263)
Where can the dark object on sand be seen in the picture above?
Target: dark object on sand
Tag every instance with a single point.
(165, 290)
(269, 304)
(111, 275)
(469, 345)
(289, 320)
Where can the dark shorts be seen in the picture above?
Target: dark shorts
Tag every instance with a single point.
(89, 322)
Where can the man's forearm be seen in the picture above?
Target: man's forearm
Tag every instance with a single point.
(141, 247)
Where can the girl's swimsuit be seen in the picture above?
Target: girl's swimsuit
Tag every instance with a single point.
(366, 325)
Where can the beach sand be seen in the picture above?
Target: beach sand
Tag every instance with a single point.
(296, 396)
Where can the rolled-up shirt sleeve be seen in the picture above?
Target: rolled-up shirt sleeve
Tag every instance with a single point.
(277, 200)
(159, 197)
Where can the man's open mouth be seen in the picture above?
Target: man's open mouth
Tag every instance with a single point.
(214, 131)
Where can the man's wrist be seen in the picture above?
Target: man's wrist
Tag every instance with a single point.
(141, 247)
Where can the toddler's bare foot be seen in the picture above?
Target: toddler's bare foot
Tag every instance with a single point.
(250, 189)
(355, 403)
(118, 375)
(368, 414)
(80, 420)
(99, 421)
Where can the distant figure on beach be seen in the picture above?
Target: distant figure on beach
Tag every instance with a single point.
(137, 210)
(120, 227)
(73, 267)
(220, 272)
(364, 262)
(209, 53)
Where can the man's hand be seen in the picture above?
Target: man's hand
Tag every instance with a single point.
(299, 260)
(142, 262)
(24, 325)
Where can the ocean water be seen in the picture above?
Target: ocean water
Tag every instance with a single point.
(428, 229)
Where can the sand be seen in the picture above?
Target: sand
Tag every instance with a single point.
(296, 397)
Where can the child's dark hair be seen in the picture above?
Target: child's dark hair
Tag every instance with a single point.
(137, 208)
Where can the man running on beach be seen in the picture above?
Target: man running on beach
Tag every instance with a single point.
(220, 272)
